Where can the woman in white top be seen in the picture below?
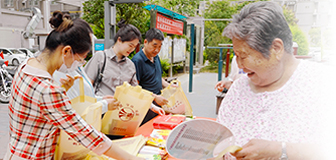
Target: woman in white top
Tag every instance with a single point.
(109, 103)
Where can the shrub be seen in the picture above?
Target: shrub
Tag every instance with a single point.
(300, 38)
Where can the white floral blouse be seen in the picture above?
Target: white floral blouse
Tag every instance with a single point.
(290, 114)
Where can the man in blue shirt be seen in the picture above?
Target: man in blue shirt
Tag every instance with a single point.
(148, 68)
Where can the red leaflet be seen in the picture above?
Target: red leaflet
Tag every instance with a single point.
(167, 121)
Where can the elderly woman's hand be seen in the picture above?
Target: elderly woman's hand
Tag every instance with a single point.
(257, 149)
(223, 84)
(68, 82)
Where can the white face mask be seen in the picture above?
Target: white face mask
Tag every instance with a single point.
(73, 67)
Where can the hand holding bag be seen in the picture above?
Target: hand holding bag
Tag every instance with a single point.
(177, 101)
(125, 120)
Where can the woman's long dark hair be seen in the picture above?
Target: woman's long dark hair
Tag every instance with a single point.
(127, 32)
(75, 33)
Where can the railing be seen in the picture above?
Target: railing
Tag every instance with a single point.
(220, 62)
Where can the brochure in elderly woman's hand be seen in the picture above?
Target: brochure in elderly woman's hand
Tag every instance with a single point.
(200, 139)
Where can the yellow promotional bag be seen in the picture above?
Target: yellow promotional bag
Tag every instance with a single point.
(125, 120)
(177, 101)
(90, 110)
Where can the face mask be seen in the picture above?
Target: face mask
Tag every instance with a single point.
(73, 67)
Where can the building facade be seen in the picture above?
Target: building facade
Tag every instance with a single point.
(311, 13)
(25, 23)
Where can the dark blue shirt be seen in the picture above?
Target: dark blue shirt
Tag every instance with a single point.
(149, 74)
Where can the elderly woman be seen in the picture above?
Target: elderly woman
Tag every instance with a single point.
(275, 110)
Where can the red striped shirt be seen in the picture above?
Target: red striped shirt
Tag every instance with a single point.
(38, 110)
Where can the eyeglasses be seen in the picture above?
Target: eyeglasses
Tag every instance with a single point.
(81, 60)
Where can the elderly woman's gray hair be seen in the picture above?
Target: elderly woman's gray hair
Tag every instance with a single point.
(258, 24)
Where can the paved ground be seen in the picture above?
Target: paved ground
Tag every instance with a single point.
(202, 99)
(4, 129)
(203, 96)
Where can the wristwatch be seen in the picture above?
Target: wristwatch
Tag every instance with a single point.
(284, 153)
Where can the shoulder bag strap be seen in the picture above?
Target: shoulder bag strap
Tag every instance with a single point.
(100, 74)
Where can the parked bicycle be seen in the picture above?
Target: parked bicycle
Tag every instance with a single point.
(5, 84)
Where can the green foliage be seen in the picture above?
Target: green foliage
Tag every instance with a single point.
(212, 68)
(328, 38)
(300, 38)
(184, 7)
(298, 35)
(213, 29)
(94, 13)
(289, 16)
(165, 67)
(133, 13)
(315, 37)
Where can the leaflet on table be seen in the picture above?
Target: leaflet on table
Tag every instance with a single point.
(198, 139)
(160, 133)
(131, 145)
(156, 142)
(152, 153)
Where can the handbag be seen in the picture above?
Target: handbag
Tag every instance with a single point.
(177, 101)
(90, 110)
(134, 104)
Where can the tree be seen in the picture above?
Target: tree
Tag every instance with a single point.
(184, 7)
(94, 14)
(315, 37)
(298, 35)
(213, 29)
(300, 38)
(133, 13)
(289, 16)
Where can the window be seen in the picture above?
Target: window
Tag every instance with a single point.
(5, 51)
(33, 2)
(9, 3)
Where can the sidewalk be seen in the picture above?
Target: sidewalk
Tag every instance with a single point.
(203, 96)
(202, 100)
(4, 129)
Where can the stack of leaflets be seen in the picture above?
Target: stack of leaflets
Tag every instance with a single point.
(168, 121)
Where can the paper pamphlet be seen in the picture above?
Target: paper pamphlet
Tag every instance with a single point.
(160, 133)
(152, 153)
(131, 145)
(198, 139)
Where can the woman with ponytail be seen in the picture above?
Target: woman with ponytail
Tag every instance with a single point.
(39, 108)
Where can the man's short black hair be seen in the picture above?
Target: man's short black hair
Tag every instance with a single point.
(154, 33)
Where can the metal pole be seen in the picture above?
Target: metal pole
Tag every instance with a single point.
(109, 26)
(171, 61)
(227, 63)
(153, 18)
(191, 62)
(220, 64)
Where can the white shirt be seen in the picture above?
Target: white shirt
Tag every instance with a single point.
(73, 92)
